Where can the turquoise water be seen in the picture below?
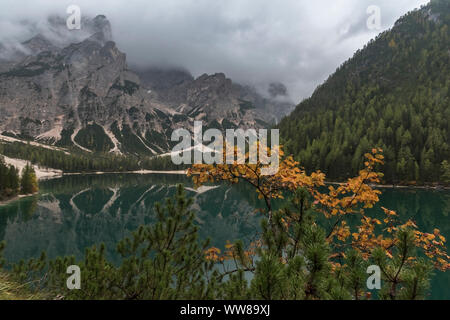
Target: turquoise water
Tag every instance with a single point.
(75, 212)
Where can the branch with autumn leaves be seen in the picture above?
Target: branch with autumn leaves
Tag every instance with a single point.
(336, 204)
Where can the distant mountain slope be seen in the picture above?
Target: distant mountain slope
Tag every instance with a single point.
(76, 90)
(392, 94)
(215, 99)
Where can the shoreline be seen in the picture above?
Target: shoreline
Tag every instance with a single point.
(174, 172)
(44, 173)
(395, 186)
(16, 198)
(184, 172)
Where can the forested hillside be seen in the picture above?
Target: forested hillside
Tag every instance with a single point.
(85, 162)
(393, 94)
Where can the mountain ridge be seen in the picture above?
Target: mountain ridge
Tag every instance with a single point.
(391, 94)
(84, 95)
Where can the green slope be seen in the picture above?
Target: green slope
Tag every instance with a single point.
(394, 94)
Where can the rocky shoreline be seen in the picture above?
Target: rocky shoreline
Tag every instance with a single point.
(15, 198)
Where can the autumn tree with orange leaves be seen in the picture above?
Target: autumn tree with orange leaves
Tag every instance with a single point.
(330, 260)
(310, 249)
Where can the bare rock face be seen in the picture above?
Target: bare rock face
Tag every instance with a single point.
(163, 79)
(101, 26)
(215, 99)
(39, 44)
(83, 94)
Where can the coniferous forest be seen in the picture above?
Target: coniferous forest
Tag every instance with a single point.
(393, 94)
(77, 161)
(13, 184)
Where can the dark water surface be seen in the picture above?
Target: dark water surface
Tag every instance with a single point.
(75, 212)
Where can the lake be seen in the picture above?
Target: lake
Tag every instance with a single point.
(75, 212)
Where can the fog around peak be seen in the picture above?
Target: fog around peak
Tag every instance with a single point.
(294, 42)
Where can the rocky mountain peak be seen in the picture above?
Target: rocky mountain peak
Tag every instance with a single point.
(277, 89)
(100, 27)
(38, 44)
(162, 79)
(74, 88)
(216, 81)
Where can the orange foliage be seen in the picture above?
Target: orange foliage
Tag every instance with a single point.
(349, 198)
(212, 254)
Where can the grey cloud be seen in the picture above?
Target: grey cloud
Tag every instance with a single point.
(295, 42)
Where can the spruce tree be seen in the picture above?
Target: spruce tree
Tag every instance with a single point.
(9, 180)
(28, 180)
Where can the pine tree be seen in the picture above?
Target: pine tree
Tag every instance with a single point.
(9, 180)
(28, 180)
(445, 170)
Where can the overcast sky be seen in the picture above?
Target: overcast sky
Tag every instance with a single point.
(296, 42)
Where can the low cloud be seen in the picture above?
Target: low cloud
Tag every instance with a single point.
(295, 42)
